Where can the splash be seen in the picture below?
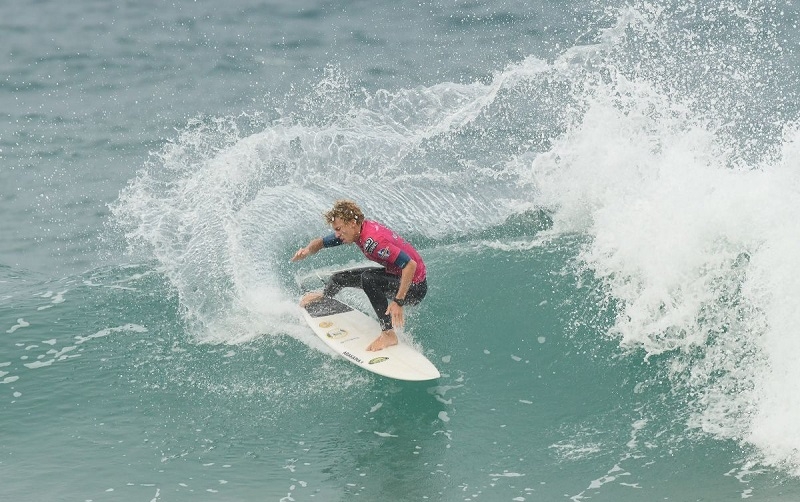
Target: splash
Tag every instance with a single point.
(688, 191)
(222, 208)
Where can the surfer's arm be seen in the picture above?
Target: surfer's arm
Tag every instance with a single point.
(313, 247)
(395, 310)
(405, 279)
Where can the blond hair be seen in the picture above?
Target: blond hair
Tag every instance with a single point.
(345, 210)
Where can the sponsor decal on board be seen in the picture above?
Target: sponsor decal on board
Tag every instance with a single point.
(336, 333)
(354, 358)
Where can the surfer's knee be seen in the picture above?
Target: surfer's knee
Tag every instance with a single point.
(367, 279)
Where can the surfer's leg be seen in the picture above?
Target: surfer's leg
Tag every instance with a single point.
(341, 280)
(378, 285)
(335, 283)
(416, 292)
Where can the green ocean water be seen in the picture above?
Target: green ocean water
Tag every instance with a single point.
(115, 401)
(605, 195)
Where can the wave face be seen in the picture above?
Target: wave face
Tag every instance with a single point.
(666, 140)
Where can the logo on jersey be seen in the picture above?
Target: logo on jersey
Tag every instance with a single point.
(370, 245)
(384, 253)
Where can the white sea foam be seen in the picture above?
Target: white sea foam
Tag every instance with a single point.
(39, 364)
(80, 339)
(21, 323)
(697, 248)
(506, 474)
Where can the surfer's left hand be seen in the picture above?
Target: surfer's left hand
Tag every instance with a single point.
(396, 311)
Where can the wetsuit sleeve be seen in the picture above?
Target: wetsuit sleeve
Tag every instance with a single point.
(331, 240)
(402, 259)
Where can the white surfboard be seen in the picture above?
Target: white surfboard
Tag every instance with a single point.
(349, 331)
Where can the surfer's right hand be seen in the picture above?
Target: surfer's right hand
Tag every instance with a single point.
(300, 254)
(312, 247)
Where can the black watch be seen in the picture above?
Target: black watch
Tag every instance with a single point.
(400, 301)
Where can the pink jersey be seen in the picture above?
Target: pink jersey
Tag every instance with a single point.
(383, 246)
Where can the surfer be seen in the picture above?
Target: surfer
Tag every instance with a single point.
(402, 277)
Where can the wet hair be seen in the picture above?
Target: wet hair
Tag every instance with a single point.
(345, 210)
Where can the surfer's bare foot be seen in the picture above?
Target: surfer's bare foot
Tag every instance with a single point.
(310, 297)
(387, 339)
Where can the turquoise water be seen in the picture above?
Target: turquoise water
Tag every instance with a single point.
(606, 195)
